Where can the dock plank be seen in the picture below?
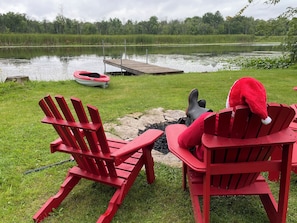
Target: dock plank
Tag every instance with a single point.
(137, 68)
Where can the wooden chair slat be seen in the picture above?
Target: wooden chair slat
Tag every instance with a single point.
(94, 113)
(240, 123)
(50, 109)
(98, 166)
(220, 155)
(225, 119)
(78, 135)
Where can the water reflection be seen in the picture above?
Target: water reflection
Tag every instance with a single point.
(53, 64)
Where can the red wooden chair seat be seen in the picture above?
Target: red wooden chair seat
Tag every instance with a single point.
(112, 162)
(236, 153)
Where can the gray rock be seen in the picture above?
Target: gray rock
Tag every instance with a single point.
(129, 126)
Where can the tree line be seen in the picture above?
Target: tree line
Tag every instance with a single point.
(208, 24)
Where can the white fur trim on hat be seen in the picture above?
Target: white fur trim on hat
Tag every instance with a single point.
(266, 121)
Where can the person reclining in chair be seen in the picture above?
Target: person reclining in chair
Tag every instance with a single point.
(244, 91)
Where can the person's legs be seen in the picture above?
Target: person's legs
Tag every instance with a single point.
(196, 107)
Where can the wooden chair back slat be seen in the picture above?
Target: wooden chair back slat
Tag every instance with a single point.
(48, 106)
(69, 117)
(225, 118)
(250, 124)
(88, 139)
(81, 114)
(102, 142)
(220, 155)
(245, 124)
(104, 167)
(51, 111)
(100, 133)
(238, 128)
(282, 116)
(254, 126)
(210, 124)
(70, 135)
(79, 137)
(240, 123)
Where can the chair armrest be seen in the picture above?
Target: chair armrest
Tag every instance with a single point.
(293, 125)
(145, 139)
(54, 144)
(285, 136)
(184, 154)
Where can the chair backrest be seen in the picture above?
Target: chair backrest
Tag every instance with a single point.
(84, 139)
(243, 124)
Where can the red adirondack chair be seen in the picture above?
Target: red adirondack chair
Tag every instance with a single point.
(112, 162)
(235, 156)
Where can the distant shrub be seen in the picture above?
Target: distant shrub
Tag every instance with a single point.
(263, 62)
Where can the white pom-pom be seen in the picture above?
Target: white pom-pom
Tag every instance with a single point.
(266, 121)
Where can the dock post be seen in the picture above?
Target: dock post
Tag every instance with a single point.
(121, 65)
(125, 50)
(103, 49)
(103, 56)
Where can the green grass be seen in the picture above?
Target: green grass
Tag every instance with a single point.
(25, 145)
(15, 39)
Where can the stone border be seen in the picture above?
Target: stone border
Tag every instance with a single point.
(129, 126)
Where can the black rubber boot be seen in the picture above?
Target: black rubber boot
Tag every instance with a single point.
(202, 103)
(195, 107)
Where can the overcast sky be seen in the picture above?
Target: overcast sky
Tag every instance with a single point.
(137, 10)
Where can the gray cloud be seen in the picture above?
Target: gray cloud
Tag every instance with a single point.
(97, 10)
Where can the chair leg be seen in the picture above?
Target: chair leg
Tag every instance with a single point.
(195, 200)
(206, 198)
(184, 175)
(285, 183)
(278, 212)
(56, 200)
(270, 206)
(196, 208)
(149, 164)
(112, 208)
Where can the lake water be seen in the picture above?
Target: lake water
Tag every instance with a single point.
(62, 67)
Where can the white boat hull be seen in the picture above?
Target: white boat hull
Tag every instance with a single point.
(102, 81)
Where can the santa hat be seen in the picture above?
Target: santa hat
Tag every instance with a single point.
(251, 92)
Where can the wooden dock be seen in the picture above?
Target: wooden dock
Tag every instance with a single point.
(136, 68)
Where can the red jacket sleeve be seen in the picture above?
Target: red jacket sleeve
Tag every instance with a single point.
(192, 135)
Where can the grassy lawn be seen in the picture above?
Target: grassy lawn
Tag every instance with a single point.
(25, 145)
